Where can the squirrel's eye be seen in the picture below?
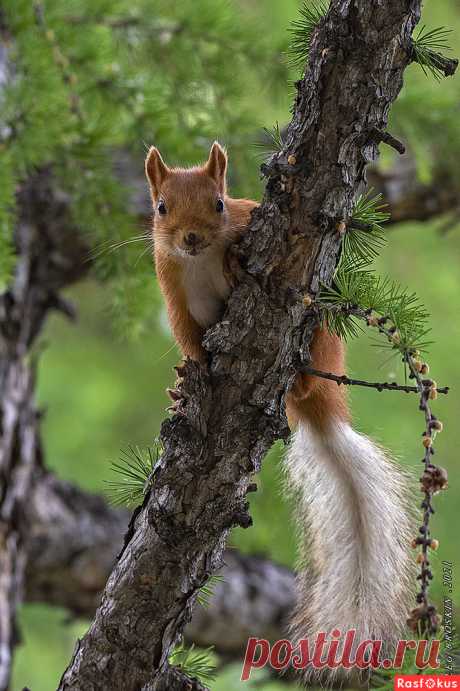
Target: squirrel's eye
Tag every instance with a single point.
(161, 208)
(219, 206)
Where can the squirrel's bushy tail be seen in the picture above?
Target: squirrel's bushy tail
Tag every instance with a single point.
(355, 529)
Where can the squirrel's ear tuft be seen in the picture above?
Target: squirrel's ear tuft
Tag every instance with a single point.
(156, 171)
(216, 166)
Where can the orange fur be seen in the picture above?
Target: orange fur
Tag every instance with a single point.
(315, 399)
(190, 197)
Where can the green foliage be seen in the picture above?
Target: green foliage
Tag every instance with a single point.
(271, 141)
(7, 260)
(424, 113)
(95, 76)
(194, 663)
(301, 32)
(134, 470)
(427, 46)
(207, 590)
(365, 235)
(356, 285)
(7, 189)
(367, 290)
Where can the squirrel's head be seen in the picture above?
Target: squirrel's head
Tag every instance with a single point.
(189, 203)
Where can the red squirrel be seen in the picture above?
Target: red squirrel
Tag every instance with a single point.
(351, 498)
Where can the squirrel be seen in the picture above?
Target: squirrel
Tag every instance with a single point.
(351, 498)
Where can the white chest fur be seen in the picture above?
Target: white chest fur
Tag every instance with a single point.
(205, 287)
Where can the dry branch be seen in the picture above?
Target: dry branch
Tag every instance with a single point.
(232, 412)
(72, 546)
(409, 199)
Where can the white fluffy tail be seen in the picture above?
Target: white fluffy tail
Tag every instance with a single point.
(355, 526)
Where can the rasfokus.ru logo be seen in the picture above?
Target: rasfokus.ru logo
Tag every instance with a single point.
(427, 681)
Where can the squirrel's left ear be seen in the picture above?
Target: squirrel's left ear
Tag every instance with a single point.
(216, 166)
(156, 171)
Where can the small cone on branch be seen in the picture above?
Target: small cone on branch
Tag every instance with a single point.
(427, 441)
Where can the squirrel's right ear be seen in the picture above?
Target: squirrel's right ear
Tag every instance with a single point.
(156, 171)
(216, 166)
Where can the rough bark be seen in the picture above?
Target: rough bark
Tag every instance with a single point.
(73, 540)
(231, 412)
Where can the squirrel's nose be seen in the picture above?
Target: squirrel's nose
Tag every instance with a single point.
(191, 239)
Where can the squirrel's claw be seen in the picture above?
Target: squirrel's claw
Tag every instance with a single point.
(174, 394)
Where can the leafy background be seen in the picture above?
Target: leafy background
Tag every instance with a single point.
(105, 74)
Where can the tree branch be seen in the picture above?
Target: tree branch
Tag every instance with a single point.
(409, 199)
(231, 412)
(380, 386)
(73, 540)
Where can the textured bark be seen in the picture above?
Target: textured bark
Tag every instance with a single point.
(73, 540)
(231, 412)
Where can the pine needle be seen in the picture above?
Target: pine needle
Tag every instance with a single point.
(367, 290)
(365, 235)
(207, 590)
(194, 663)
(271, 142)
(427, 46)
(368, 210)
(134, 470)
(301, 31)
(7, 261)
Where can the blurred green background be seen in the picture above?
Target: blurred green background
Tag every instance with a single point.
(103, 380)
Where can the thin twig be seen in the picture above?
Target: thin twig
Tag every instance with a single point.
(434, 479)
(380, 386)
